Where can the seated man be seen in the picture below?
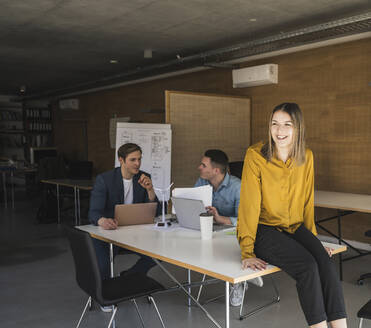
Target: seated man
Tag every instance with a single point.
(226, 188)
(225, 201)
(123, 185)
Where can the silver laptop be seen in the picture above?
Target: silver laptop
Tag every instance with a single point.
(188, 213)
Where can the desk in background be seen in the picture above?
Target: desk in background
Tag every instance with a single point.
(345, 204)
(219, 257)
(76, 185)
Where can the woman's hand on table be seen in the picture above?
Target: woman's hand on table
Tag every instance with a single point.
(254, 263)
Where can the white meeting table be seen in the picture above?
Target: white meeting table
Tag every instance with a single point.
(345, 204)
(218, 258)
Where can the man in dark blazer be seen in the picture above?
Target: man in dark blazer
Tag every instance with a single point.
(123, 185)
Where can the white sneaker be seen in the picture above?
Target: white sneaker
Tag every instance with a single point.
(106, 308)
(258, 281)
(236, 295)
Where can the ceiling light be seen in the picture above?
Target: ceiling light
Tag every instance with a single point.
(252, 19)
(113, 61)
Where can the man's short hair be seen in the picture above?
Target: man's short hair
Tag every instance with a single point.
(218, 158)
(127, 149)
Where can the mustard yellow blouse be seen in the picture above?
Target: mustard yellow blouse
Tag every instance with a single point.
(276, 194)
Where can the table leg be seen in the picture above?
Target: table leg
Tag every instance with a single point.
(189, 288)
(339, 239)
(200, 289)
(4, 188)
(226, 304)
(112, 275)
(12, 184)
(78, 206)
(276, 299)
(185, 291)
(75, 196)
(58, 206)
(111, 259)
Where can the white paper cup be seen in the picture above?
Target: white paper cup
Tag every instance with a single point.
(206, 224)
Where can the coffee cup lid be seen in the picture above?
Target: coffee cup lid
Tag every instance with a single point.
(205, 214)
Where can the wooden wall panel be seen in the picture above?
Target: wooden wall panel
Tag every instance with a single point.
(142, 102)
(202, 121)
(332, 86)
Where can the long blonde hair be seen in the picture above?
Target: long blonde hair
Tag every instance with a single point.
(298, 147)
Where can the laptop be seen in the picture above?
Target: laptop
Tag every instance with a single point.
(188, 214)
(131, 214)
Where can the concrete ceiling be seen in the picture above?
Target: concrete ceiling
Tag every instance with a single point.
(55, 46)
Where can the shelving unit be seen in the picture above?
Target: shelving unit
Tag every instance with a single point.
(38, 127)
(12, 142)
(38, 120)
(12, 138)
(23, 127)
(15, 131)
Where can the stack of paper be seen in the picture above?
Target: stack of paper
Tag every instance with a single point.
(204, 193)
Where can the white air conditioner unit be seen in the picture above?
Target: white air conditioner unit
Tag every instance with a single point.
(255, 75)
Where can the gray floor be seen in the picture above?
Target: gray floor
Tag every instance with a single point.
(38, 287)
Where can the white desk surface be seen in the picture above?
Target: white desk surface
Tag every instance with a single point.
(219, 257)
(342, 201)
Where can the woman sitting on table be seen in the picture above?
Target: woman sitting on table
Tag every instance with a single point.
(276, 218)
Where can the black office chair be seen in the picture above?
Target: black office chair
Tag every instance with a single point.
(111, 291)
(235, 168)
(364, 313)
(362, 278)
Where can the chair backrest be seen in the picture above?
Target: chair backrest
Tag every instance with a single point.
(235, 168)
(86, 265)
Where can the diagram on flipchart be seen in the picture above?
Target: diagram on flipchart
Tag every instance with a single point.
(155, 141)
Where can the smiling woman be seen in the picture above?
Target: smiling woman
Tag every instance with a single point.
(276, 218)
(282, 130)
(286, 134)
